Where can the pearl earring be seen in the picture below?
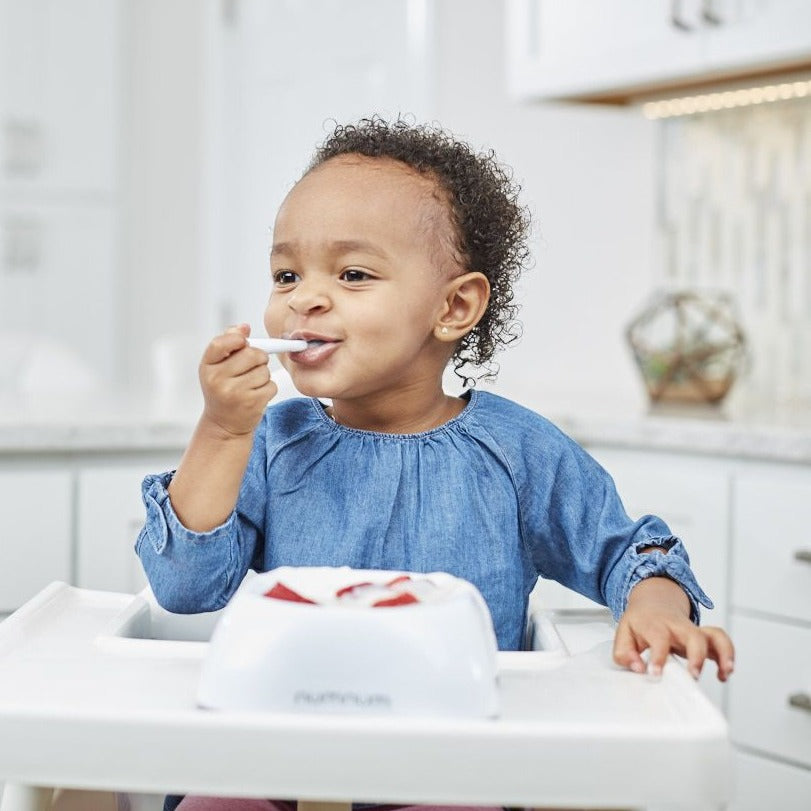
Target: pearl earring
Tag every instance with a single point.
(444, 330)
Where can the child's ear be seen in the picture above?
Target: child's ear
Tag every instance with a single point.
(465, 302)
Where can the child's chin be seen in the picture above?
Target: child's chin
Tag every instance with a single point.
(308, 389)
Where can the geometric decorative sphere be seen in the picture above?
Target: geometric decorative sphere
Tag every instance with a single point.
(688, 346)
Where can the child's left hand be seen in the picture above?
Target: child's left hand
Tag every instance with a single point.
(657, 618)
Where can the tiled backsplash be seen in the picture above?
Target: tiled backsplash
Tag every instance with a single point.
(735, 215)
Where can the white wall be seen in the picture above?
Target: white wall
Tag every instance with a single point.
(588, 175)
(223, 104)
(288, 70)
(163, 143)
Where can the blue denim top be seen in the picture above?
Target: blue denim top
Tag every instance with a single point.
(498, 495)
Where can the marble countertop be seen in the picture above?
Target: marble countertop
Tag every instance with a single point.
(116, 424)
(122, 425)
(742, 439)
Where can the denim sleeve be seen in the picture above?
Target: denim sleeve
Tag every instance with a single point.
(191, 572)
(672, 562)
(580, 535)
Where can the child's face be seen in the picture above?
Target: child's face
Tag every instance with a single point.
(360, 260)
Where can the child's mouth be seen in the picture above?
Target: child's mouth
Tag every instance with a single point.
(318, 350)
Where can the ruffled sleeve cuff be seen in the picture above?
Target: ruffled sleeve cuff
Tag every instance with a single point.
(188, 571)
(162, 521)
(671, 562)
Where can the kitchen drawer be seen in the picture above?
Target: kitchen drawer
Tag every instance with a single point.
(762, 783)
(772, 663)
(35, 542)
(771, 561)
(110, 515)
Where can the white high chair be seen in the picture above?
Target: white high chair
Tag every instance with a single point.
(90, 681)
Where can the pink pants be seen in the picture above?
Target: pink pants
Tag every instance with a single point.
(192, 803)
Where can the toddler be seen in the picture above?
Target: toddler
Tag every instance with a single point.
(394, 256)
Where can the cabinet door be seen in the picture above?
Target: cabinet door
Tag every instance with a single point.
(110, 515)
(771, 688)
(763, 35)
(35, 533)
(771, 571)
(589, 48)
(570, 48)
(761, 783)
(59, 94)
(58, 295)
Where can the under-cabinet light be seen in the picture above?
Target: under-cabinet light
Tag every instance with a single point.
(726, 99)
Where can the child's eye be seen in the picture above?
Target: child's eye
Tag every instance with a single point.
(283, 277)
(355, 275)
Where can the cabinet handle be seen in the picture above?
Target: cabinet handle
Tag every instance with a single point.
(803, 555)
(23, 148)
(676, 19)
(800, 700)
(23, 238)
(710, 14)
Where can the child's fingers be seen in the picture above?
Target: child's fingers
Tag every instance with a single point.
(695, 648)
(721, 650)
(659, 645)
(235, 377)
(255, 378)
(232, 347)
(223, 346)
(626, 651)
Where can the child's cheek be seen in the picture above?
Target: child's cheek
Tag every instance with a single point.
(284, 362)
(273, 329)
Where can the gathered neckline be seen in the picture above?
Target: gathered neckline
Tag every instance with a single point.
(470, 395)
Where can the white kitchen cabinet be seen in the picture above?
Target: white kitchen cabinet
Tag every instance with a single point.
(57, 293)
(770, 688)
(573, 48)
(770, 693)
(73, 517)
(758, 35)
(772, 562)
(615, 49)
(61, 103)
(110, 514)
(35, 535)
(60, 87)
(759, 783)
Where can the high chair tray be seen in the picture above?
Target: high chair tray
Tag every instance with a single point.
(88, 700)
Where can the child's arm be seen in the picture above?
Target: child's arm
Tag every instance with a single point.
(236, 388)
(657, 617)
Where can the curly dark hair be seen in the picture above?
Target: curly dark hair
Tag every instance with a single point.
(491, 227)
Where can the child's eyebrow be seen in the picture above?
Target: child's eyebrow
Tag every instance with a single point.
(338, 246)
(282, 249)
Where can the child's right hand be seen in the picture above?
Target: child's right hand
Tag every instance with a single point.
(236, 382)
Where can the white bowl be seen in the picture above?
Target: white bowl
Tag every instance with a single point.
(435, 658)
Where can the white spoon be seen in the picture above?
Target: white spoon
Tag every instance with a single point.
(276, 345)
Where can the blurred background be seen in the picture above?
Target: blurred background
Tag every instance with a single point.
(146, 146)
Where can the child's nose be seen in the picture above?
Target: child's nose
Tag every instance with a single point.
(309, 297)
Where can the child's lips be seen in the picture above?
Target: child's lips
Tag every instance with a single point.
(318, 350)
